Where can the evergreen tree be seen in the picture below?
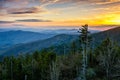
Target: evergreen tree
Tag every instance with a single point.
(108, 57)
(84, 42)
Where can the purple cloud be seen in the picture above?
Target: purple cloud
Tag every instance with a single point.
(33, 20)
(5, 22)
(24, 10)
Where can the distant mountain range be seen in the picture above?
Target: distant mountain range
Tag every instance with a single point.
(62, 31)
(58, 40)
(9, 38)
(2, 30)
(40, 44)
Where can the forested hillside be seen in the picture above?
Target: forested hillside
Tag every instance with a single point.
(113, 34)
(88, 62)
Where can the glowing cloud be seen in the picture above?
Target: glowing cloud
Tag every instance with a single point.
(60, 12)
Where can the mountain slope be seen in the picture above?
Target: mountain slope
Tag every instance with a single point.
(113, 34)
(9, 38)
(40, 44)
(61, 39)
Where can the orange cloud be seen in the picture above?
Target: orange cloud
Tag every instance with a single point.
(61, 12)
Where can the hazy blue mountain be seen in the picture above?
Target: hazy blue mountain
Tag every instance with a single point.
(9, 38)
(60, 39)
(48, 31)
(40, 44)
(3, 30)
(63, 31)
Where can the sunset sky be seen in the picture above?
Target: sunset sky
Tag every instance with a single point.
(37, 13)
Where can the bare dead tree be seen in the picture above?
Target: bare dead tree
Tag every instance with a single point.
(54, 71)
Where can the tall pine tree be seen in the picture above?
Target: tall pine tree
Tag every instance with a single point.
(84, 42)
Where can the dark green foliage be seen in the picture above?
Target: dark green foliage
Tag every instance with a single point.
(37, 66)
(108, 57)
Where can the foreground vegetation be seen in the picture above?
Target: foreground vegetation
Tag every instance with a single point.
(87, 62)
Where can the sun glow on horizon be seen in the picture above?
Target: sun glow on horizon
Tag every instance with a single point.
(59, 13)
(114, 21)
